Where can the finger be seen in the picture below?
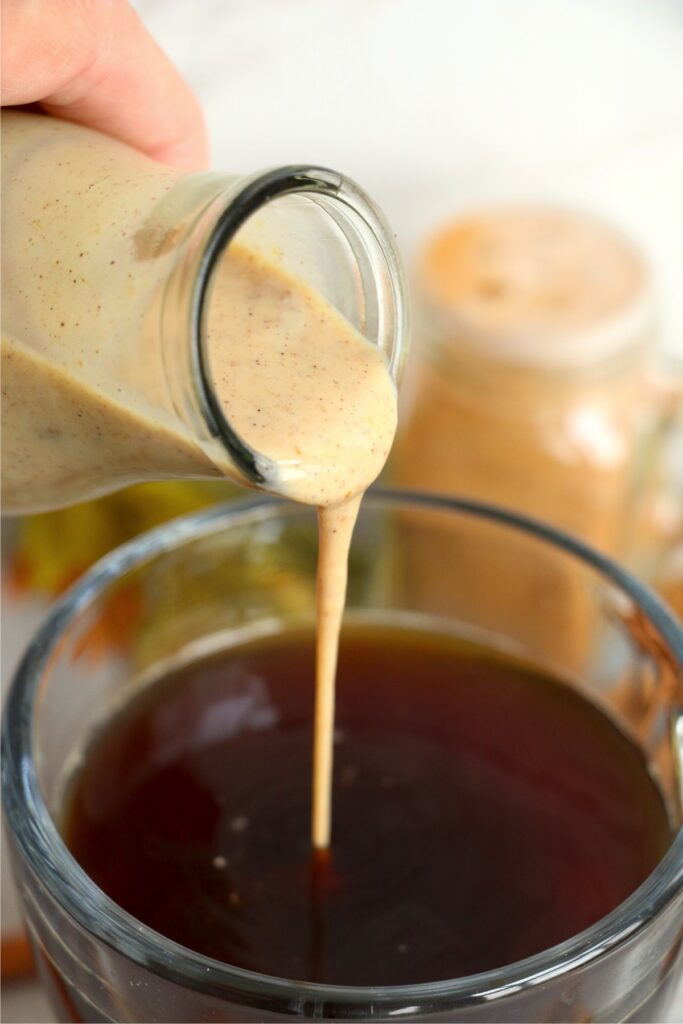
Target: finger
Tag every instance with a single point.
(93, 62)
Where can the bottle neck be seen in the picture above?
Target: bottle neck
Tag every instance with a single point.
(312, 223)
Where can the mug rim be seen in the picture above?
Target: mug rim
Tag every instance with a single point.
(40, 844)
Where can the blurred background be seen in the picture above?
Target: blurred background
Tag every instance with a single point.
(440, 108)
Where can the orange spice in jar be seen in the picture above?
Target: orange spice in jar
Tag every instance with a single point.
(529, 391)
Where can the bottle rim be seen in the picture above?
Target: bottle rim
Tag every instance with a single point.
(255, 192)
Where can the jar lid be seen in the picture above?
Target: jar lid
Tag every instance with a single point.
(539, 286)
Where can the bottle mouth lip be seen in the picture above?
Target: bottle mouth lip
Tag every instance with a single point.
(257, 468)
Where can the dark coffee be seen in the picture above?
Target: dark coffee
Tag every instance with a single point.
(482, 811)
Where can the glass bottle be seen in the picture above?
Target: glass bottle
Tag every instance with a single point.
(108, 260)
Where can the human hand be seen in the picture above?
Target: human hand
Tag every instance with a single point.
(93, 62)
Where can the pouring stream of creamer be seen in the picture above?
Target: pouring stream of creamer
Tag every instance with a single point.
(327, 404)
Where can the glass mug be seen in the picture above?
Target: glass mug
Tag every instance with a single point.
(200, 582)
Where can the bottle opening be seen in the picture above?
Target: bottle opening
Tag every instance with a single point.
(296, 254)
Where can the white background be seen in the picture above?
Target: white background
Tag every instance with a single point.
(433, 105)
(436, 104)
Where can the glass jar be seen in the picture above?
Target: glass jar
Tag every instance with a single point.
(204, 582)
(108, 261)
(529, 380)
(529, 389)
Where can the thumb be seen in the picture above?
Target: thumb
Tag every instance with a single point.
(93, 62)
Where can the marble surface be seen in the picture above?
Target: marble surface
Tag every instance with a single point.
(437, 106)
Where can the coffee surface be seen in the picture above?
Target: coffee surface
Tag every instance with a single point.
(482, 812)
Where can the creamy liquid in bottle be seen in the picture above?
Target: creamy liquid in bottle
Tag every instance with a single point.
(297, 382)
